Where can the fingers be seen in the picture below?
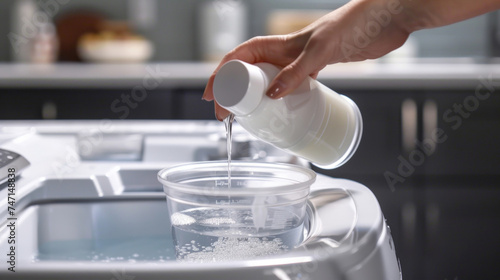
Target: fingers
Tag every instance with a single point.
(314, 75)
(208, 94)
(220, 113)
(258, 49)
(299, 57)
(308, 63)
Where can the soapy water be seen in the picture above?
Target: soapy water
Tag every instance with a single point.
(206, 235)
(230, 249)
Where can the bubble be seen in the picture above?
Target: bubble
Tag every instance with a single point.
(228, 249)
(217, 221)
(180, 219)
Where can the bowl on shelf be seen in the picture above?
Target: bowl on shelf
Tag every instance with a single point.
(109, 47)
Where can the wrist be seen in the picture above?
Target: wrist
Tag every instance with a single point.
(405, 15)
(390, 14)
(415, 15)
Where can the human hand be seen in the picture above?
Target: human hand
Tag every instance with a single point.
(333, 38)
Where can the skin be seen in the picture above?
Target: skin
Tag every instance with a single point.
(337, 37)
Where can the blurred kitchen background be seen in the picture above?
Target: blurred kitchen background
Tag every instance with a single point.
(176, 28)
(150, 59)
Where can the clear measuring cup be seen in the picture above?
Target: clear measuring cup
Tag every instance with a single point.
(261, 212)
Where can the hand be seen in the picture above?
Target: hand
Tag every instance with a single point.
(307, 51)
(359, 30)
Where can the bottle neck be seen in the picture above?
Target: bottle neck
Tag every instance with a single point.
(239, 87)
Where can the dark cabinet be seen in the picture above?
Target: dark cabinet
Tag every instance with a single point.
(462, 222)
(60, 103)
(411, 133)
(472, 128)
(442, 151)
(190, 106)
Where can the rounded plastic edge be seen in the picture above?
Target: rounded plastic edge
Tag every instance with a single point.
(250, 97)
(223, 165)
(354, 145)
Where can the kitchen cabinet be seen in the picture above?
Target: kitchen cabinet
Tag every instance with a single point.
(462, 222)
(472, 128)
(468, 140)
(69, 103)
(378, 152)
(443, 214)
(189, 106)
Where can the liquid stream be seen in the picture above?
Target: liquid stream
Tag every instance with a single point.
(226, 234)
(228, 123)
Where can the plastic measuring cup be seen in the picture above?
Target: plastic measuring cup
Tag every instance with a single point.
(261, 213)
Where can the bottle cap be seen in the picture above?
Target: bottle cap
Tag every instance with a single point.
(239, 87)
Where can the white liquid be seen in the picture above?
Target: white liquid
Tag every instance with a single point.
(333, 140)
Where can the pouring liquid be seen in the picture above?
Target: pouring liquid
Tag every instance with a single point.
(259, 213)
(225, 234)
(228, 123)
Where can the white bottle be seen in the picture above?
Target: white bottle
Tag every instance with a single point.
(23, 30)
(312, 122)
(222, 26)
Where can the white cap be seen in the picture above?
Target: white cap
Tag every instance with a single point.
(239, 87)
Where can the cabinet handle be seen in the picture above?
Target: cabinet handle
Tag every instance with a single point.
(409, 221)
(432, 223)
(430, 122)
(408, 124)
(49, 110)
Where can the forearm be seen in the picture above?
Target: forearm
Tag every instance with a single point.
(422, 14)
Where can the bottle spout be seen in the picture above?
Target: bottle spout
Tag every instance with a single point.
(239, 87)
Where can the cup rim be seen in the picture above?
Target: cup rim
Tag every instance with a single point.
(235, 165)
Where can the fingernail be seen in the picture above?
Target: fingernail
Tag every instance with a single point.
(203, 96)
(219, 117)
(276, 89)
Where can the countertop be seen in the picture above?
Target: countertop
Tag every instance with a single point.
(417, 74)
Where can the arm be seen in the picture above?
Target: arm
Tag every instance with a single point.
(423, 14)
(359, 30)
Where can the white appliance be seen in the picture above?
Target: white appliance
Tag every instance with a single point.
(88, 209)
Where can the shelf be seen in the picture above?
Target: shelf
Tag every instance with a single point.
(421, 74)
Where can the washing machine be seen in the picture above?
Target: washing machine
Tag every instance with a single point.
(89, 206)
